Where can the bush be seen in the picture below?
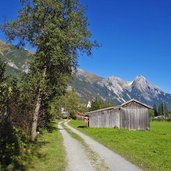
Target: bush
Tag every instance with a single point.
(11, 141)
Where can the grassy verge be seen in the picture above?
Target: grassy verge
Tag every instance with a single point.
(47, 154)
(150, 150)
(95, 160)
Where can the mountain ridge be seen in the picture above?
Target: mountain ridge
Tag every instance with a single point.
(89, 85)
(117, 90)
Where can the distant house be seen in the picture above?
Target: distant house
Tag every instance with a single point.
(89, 104)
(65, 114)
(159, 117)
(132, 115)
(80, 116)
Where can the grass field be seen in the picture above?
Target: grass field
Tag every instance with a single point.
(48, 153)
(150, 150)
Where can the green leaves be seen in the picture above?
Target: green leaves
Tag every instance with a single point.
(57, 29)
(99, 104)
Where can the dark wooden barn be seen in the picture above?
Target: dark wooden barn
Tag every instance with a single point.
(132, 115)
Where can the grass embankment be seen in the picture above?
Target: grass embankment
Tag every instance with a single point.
(47, 153)
(150, 150)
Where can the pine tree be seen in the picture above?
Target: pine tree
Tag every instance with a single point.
(155, 110)
(163, 110)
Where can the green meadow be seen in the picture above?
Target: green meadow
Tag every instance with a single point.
(150, 150)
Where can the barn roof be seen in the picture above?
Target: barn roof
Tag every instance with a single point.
(119, 106)
(134, 100)
(113, 107)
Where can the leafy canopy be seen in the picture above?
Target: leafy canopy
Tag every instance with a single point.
(58, 31)
(99, 103)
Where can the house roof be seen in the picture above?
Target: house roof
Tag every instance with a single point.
(119, 106)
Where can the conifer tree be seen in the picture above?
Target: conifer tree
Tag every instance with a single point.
(155, 110)
(163, 110)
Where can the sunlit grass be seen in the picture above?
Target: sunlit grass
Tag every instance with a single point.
(48, 153)
(150, 150)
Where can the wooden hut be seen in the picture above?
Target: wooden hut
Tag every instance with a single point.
(132, 115)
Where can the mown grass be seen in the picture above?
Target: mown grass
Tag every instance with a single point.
(48, 153)
(150, 150)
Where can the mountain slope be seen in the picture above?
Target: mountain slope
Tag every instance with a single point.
(89, 86)
(116, 90)
(16, 58)
(144, 91)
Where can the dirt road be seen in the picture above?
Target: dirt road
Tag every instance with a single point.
(79, 160)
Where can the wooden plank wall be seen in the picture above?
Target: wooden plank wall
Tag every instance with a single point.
(104, 119)
(133, 117)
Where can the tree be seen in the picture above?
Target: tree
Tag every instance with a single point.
(99, 104)
(163, 110)
(151, 114)
(3, 90)
(58, 31)
(9, 146)
(155, 110)
(70, 102)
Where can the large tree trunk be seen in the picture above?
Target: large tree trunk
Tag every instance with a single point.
(35, 119)
(36, 111)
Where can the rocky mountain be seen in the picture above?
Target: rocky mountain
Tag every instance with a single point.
(89, 86)
(116, 90)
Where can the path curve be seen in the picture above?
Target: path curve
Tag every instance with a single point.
(114, 161)
(76, 158)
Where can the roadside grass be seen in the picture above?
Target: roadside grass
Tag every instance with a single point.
(150, 150)
(47, 153)
(95, 160)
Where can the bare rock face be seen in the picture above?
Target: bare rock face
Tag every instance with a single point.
(116, 90)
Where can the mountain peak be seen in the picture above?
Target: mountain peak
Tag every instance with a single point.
(149, 91)
(140, 78)
(113, 78)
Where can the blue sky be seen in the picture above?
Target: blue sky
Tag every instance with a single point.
(135, 38)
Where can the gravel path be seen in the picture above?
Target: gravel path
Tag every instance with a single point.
(77, 159)
(113, 161)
